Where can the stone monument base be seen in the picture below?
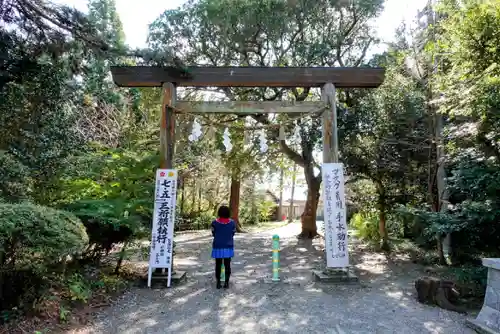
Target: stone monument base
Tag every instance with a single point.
(480, 328)
(488, 320)
(270, 280)
(336, 276)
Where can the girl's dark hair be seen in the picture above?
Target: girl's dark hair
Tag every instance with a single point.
(224, 212)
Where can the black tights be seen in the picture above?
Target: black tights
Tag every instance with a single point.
(227, 267)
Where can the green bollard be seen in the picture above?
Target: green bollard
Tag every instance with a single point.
(276, 258)
(223, 273)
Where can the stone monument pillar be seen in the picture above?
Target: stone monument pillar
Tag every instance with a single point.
(488, 320)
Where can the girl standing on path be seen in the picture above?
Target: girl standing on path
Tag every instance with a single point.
(223, 229)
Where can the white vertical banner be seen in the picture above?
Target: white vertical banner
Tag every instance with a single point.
(162, 234)
(336, 238)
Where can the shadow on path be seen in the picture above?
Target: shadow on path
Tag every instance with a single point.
(383, 303)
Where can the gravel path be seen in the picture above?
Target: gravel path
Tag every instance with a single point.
(383, 303)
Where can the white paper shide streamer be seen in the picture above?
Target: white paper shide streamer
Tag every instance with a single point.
(227, 140)
(297, 132)
(195, 132)
(263, 142)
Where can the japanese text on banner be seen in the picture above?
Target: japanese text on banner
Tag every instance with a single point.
(163, 219)
(336, 240)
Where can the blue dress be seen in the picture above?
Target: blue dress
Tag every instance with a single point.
(223, 245)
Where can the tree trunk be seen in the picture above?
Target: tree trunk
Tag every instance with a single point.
(291, 213)
(183, 180)
(443, 195)
(308, 218)
(439, 247)
(382, 209)
(213, 199)
(441, 199)
(383, 229)
(280, 209)
(193, 196)
(199, 197)
(234, 200)
(432, 188)
(121, 258)
(253, 205)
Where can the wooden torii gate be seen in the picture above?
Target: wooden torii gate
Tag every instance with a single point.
(328, 78)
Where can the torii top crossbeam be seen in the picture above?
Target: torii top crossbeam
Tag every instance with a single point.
(341, 77)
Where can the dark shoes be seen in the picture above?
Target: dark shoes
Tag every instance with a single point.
(219, 285)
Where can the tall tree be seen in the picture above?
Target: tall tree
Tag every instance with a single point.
(467, 77)
(291, 214)
(272, 33)
(107, 111)
(391, 142)
(97, 81)
(38, 90)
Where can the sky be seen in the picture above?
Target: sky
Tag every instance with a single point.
(137, 15)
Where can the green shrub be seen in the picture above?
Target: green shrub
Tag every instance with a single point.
(79, 289)
(366, 225)
(202, 221)
(473, 274)
(265, 210)
(33, 241)
(107, 222)
(246, 216)
(32, 236)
